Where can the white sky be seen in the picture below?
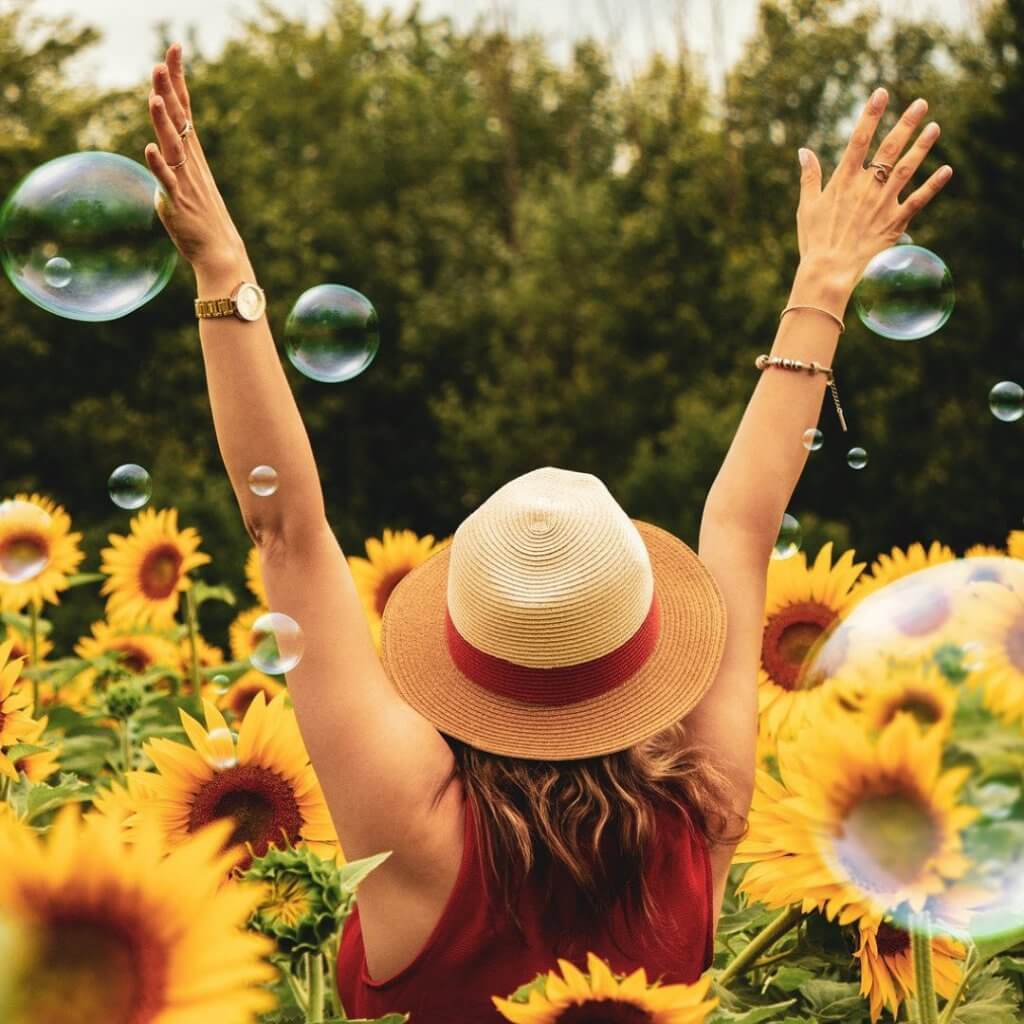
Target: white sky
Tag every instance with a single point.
(716, 28)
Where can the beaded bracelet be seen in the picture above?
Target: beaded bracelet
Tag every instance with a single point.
(763, 361)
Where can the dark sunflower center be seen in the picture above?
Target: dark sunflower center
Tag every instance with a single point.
(261, 802)
(242, 697)
(1015, 644)
(23, 556)
(926, 613)
(925, 709)
(94, 968)
(160, 572)
(603, 1011)
(789, 636)
(892, 941)
(385, 587)
(133, 658)
(885, 840)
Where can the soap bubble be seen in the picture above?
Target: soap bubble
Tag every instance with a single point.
(220, 754)
(813, 439)
(331, 334)
(856, 458)
(57, 272)
(129, 486)
(263, 480)
(904, 239)
(277, 643)
(789, 539)
(24, 540)
(944, 644)
(80, 237)
(906, 293)
(1006, 400)
(221, 682)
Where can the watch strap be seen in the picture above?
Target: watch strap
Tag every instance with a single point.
(214, 308)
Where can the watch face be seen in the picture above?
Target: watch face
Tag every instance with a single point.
(250, 302)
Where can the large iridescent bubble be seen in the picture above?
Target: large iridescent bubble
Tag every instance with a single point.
(905, 293)
(332, 333)
(944, 645)
(80, 237)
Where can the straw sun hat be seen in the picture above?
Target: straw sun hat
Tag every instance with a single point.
(553, 626)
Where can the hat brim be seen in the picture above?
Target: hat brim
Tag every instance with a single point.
(670, 683)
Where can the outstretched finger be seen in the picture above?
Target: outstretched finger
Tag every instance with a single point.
(852, 160)
(176, 68)
(920, 198)
(162, 85)
(171, 146)
(158, 165)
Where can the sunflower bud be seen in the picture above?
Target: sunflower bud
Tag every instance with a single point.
(123, 699)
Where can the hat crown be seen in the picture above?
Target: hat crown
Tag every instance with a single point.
(549, 572)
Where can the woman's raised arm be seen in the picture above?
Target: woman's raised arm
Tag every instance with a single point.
(839, 230)
(377, 760)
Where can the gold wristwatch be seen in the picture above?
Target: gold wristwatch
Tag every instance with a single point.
(247, 302)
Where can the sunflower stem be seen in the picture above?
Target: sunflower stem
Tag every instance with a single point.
(971, 966)
(126, 749)
(924, 976)
(337, 1010)
(760, 943)
(193, 634)
(315, 1007)
(34, 650)
(298, 990)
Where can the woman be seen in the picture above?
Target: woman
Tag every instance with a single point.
(559, 745)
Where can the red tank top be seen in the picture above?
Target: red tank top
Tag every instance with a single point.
(475, 952)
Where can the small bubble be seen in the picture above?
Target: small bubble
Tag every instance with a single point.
(905, 293)
(221, 682)
(276, 643)
(263, 480)
(57, 272)
(790, 538)
(904, 239)
(221, 750)
(1006, 400)
(813, 439)
(856, 458)
(129, 486)
(25, 548)
(332, 333)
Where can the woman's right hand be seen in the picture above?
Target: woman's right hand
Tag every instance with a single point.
(190, 205)
(856, 216)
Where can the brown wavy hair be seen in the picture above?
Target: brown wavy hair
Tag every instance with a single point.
(589, 821)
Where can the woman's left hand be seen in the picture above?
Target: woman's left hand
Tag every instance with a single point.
(190, 206)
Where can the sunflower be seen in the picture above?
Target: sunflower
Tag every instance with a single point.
(984, 551)
(860, 823)
(889, 688)
(21, 643)
(149, 569)
(1015, 544)
(897, 564)
(599, 997)
(887, 969)
(137, 651)
(37, 551)
(239, 695)
(16, 721)
(263, 780)
(240, 635)
(387, 562)
(124, 935)
(995, 622)
(801, 606)
(40, 766)
(254, 577)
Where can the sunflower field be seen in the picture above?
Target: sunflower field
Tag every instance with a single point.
(166, 854)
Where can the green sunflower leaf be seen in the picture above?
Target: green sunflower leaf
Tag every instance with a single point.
(752, 1016)
(20, 750)
(990, 1000)
(203, 592)
(23, 624)
(33, 800)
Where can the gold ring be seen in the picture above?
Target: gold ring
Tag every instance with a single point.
(185, 131)
(184, 161)
(882, 171)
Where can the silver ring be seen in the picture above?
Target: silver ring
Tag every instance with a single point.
(184, 161)
(882, 171)
(185, 131)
